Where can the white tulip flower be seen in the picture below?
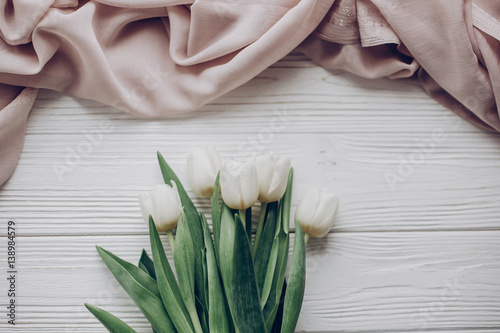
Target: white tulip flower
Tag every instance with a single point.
(272, 173)
(316, 212)
(163, 204)
(203, 166)
(238, 183)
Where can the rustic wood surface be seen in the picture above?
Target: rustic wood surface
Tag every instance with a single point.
(416, 246)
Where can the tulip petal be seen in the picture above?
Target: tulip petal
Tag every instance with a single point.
(325, 215)
(203, 166)
(230, 184)
(280, 175)
(146, 204)
(306, 209)
(239, 184)
(167, 206)
(272, 173)
(215, 162)
(249, 185)
(265, 174)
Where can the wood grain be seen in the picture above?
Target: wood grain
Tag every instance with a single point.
(390, 281)
(415, 246)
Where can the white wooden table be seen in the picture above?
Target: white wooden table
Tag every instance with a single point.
(417, 242)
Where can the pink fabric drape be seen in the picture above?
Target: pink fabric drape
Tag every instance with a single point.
(450, 46)
(158, 57)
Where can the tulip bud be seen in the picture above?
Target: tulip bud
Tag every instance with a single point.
(163, 204)
(238, 183)
(203, 166)
(316, 212)
(272, 173)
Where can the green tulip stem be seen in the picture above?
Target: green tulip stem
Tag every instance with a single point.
(243, 217)
(260, 227)
(171, 240)
(196, 321)
(306, 237)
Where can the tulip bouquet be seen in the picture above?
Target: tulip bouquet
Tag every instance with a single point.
(227, 280)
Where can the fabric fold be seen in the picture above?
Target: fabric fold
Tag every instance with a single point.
(15, 104)
(448, 46)
(153, 58)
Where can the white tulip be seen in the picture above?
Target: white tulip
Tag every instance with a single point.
(203, 166)
(238, 183)
(316, 212)
(272, 173)
(163, 204)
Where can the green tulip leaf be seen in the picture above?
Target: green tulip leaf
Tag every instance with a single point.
(217, 308)
(203, 307)
(131, 278)
(246, 301)
(169, 290)
(136, 273)
(142, 267)
(248, 223)
(216, 215)
(271, 268)
(264, 246)
(274, 283)
(278, 259)
(286, 202)
(146, 264)
(184, 266)
(296, 283)
(112, 323)
(226, 252)
(193, 222)
(279, 315)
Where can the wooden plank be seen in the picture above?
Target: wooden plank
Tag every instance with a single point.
(454, 187)
(366, 282)
(313, 100)
(83, 164)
